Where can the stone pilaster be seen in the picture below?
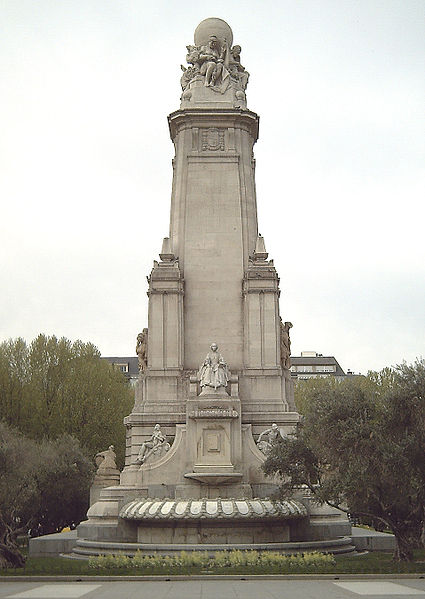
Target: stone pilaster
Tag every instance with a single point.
(261, 315)
(165, 345)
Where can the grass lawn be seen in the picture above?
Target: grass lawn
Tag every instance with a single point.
(376, 562)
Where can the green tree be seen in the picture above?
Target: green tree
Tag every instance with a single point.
(44, 486)
(360, 447)
(54, 386)
(13, 379)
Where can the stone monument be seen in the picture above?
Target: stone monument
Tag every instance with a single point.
(192, 460)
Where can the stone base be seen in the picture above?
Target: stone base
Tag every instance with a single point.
(222, 533)
(86, 549)
(371, 540)
(197, 95)
(52, 545)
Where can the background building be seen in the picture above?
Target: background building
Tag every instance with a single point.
(129, 366)
(312, 365)
(309, 365)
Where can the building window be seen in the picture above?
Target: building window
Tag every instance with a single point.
(325, 368)
(305, 368)
(122, 367)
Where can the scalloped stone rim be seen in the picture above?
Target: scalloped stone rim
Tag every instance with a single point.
(213, 509)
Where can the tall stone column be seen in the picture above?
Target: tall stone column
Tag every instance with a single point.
(213, 227)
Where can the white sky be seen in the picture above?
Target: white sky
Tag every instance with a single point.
(85, 165)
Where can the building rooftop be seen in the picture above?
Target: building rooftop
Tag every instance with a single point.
(312, 363)
(129, 365)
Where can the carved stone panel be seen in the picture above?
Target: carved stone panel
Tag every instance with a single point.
(213, 443)
(213, 139)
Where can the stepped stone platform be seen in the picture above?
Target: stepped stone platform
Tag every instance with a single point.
(52, 545)
(372, 540)
(85, 549)
(68, 545)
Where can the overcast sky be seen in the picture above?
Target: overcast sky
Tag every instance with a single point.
(85, 165)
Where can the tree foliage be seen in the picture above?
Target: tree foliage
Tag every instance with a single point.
(53, 386)
(360, 446)
(44, 485)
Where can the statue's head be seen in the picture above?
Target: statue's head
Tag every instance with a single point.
(214, 346)
(274, 426)
(157, 427)
(236, 50)
(213, 41)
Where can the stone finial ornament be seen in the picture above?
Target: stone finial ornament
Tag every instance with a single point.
(285, 344)
(213, 372)
(260, 249)
(157, 445)
(142, 349)
(273, 436)
(213, 61)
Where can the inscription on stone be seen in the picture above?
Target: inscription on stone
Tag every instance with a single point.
(213, 413)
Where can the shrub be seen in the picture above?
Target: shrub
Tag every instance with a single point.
(199, 560)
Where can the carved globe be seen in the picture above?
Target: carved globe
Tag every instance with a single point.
(213, 26)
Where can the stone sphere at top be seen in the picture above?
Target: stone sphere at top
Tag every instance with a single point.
(213, 26)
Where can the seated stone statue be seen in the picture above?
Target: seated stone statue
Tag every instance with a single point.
(156, 444)
(217, 65)
(212, 60)
(273, 437)
(213, 371)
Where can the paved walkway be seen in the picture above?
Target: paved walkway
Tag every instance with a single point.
(217, 589)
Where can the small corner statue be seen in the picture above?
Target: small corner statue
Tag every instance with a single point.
(106, 460)
(157, 445)
(273, 435)
(285, 344)
(213, 372)
(142, 349)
